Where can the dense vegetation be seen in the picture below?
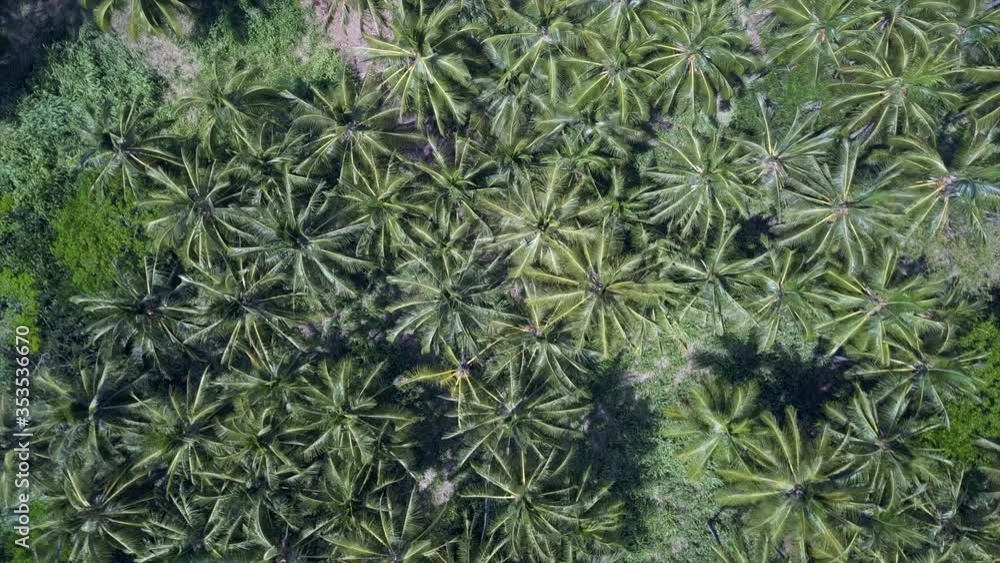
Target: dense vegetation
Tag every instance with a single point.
(549, 281)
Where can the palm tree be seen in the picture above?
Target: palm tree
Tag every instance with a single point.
(261, 163)
(397, 531)
(179, 434)
(144, 15)
(144, 315)
(255, 453)
(698, 57)
(930, 372)
(192, 529)
(787, 292)
(632, 20)
(422, 72)
(535, 504)
(347, 123)
(961, 512)
(610, 299)
(718, 282)
(535, 339)
(799, 493)
(454, 182)
(228, 100)
(538, 219)
(517, 414)
(815, 32)
(841, 212)
(872, 310)
(971, 28)
(97, 511)
(718, 420)
(123, 148)
(612, 78)
(340, 411)
(901, 93)
(773, 160)
(697, 185)
(193, 212)
(376, 199)
(448, 302)
(241, 308)
(539, 36)
(901, 23)
(303, 237)
(622, 202)
(884, 441)
(958, 183)
(90, 406)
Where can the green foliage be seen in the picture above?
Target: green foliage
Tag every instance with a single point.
(975, 417)
(94, 238)
(386, 319)
(277, 39)
(18, 305)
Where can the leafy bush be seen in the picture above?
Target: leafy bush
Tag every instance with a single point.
(278, 38)
(976, 417)
(92, 236)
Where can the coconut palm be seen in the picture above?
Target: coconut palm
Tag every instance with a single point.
(632, 20)
(261, 163)
(930, 372)
(971, 29)
(123, 147)
(535, 504)
(799, 493)
(241, 308)
(901, 23)
(447, 303)
(954, 184)
(347, 123)
(179, 434)
(376, 199)
(697, 184)
(98, 510)
(871, 311)
(340, 410)
(397, 530)
(255, 453)
(192, 529)
(717, 282)
(422, 72)
(517, 413)
(304, 237)
(193, 210)
(538, 219)
(228, 100)
(539, 37)
(144, 314)
(775, 158)
(455, 182)
(901, 93)
(143, 15)
(814, 32)
(90, 406)
(961, 512)
(718, 420)
(538, 341)
(787, 292)
(612, 77)
(841, 212)
(884, 440)
(610, 299)
(698, 57)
